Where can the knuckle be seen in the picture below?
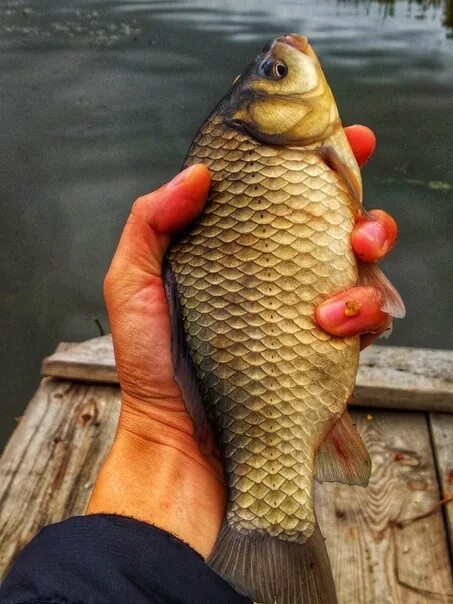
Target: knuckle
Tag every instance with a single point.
(137, 204)
(108, 285)
(140, 206)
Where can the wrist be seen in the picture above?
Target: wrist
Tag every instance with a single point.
(156, 473)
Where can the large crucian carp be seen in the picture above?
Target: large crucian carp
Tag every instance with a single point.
(243, 285)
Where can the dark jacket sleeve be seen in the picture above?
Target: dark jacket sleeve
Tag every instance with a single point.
(102, 559)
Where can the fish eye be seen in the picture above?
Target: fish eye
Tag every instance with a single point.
(275, 70)
(280, 69)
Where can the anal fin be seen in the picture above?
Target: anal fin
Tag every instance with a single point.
(343, 457)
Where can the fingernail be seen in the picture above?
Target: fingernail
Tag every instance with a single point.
(353, 312)
(352, 308)
(363, 142)
(371, 238)
(336, 313)
(375, 232)
(181, 177)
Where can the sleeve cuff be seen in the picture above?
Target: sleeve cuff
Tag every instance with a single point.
(112, 559)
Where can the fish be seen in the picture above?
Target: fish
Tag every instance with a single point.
(242, 284)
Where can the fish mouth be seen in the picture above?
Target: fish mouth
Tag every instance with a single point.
(295, 40)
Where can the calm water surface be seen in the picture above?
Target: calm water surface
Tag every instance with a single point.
(100, 100)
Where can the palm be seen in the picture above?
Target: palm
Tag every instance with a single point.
(141, 338)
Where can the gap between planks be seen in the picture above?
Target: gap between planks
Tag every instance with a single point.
(441, 428)
(387, 542)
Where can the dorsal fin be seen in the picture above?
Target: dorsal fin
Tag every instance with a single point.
(185, 372)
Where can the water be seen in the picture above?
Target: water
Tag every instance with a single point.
(100, 100)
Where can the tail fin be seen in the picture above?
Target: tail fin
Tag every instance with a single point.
(272, 571)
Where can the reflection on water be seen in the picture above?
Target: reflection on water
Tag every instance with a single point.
(418, 9)
(100, 100)
(448, 16)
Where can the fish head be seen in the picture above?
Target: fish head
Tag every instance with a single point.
(283, 97)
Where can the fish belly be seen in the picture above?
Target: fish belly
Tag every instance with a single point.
(273, 242)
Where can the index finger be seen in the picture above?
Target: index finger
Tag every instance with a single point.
(362, 141)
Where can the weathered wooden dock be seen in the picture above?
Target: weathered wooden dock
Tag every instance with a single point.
(389, 544)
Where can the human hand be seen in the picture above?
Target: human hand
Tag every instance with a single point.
(374, 235)
(155, 471)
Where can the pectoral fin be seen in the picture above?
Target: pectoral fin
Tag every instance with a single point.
(348, 171)
(343, 457)
(185, 373)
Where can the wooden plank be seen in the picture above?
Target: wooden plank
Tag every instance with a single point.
(49, 465)
(51, 462)
(378, 554)
(441, 426)
(395, 377)
(91, 361)
(388, 377)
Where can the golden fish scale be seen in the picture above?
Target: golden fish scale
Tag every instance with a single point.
(274, 240)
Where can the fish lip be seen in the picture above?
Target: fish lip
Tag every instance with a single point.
(296, 41)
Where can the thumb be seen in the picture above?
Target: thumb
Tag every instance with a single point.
(176, 204)
(153, 219)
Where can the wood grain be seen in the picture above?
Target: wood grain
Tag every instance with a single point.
(418, 379)
(385, 544)
(91, 361)
(379, 555)
(441, 426)
(48, 467)
(388, 377)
